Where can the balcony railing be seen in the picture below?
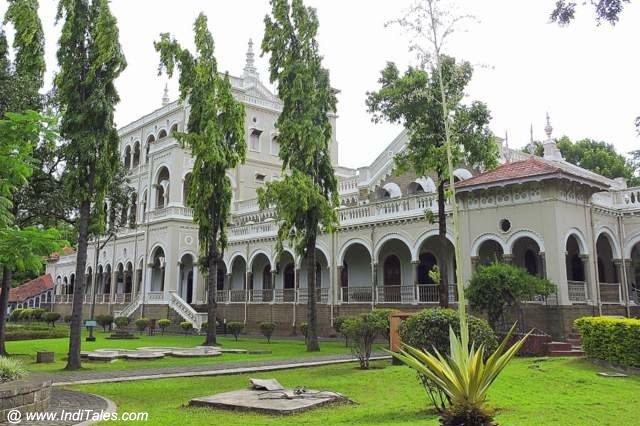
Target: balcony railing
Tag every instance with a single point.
(173, 211)
(356, 294)
(577, 291)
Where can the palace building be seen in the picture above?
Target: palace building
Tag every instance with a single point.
(556, 220)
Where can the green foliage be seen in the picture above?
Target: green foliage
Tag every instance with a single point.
(464, 376)
(186, 326)
(122, 322)
(104, 321)
(142, 324)
(495, 287)
(24, 249)
(16, 332)
(337, 326)
(361, 331)
(605, 10)
(383, 318)
(429, 329)
(615, 340)
(163, 324)
(27, 314)
(235, 328)
(51, 318)
(16, 314)
(37, 314)
(267, 328)
(11, 369)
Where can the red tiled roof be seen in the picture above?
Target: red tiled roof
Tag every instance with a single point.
(531, 167)
(31, 288)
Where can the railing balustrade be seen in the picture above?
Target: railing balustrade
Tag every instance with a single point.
(577, 291)
(610, 293)
(356, 294)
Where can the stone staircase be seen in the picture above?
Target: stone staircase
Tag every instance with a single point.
(571, 346)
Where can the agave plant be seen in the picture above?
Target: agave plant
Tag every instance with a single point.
(464, 376)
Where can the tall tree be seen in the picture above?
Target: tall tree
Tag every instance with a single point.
(90, 60)
(307, 195)
(598, 156)
(215, 135)
(605, 10)
(414, 99)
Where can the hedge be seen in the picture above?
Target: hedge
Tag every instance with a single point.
(615, 340)
(32, 332)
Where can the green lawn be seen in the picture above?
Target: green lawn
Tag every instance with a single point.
(280, 349)
(555, 391)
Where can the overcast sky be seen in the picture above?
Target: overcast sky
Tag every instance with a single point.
(585, 76)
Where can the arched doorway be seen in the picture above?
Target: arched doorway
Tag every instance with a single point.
(321, 276)
(158, 270)
(608, 277)
(186, 278)
(526, 254)
(396, 272)
(260, 264)
(356, 283)
(490, 251)
(162, 188)
(576, 276)
(285, 285)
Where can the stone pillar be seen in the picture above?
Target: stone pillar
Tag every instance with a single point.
(475, 261)
(543, 265)
(587, 278)
(619, 265)
(374, 284)
(340, 283)
(507, 258)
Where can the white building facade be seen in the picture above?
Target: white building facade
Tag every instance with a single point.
(579, 229)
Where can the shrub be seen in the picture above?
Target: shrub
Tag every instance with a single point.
(11, 369)
(495, 287)
(26, 314)
(186, 326)
(615, 340)
(15, 314)
(51, 318)
(430, 329)
(67, 318)
(142, 324)
(362, 331)
(104, 321)
(383, 316)
(235, 328)
(304, 329)
(267, 328)
(122, 322)
(33, 332)
(337, 326)
(163, 324)
(37, 314)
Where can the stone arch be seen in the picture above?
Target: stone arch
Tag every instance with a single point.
(629, 243)
(611, 236)
(524, 233)
(475, 246)
(253, 256)
(350, 242)
(415, 252)
(462, 174)
(136, 154)
(162, 133)
(392, 190)
(162, 184)
(580, 239)
(127, 157)
(229, 262)
(393, 236)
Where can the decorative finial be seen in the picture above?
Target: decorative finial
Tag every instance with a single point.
(165, 96)
(531, 133)
(506, 152)
(548, 129)
(249, 67)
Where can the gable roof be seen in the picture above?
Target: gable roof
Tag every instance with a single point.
(534, 168)
(31, 288)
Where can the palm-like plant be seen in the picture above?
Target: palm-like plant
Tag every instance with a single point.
(464, 376)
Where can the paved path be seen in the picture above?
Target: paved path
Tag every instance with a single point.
(65, 404)
(225, 368)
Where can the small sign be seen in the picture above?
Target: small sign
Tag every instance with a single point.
(90, 323)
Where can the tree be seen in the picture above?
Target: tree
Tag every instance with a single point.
(495, 287)
(414, 100)
(90, 60)
(305, 198)
(597, 156)
(215, 135)
(607, 10)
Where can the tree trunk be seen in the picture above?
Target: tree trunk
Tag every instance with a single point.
(443, 288)
(4, 306)
(312, 314)
(75, 332)
(212, 287)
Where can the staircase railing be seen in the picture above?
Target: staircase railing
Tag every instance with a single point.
(128, 310)
(185, 310)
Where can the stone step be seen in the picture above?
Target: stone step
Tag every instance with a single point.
(571, 352)
(574, 342)
(558, 346)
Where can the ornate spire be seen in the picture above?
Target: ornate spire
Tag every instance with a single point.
(250, 70)
(506, 152)
(165, 96)
(551, 151)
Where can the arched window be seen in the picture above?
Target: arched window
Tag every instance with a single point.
(254, 140)
(162, 188)
(427, 263)
(185, 188)
(144, 206)
(127, 157)
(136, 154)
(151, 139)
(133, 211)
(174, 129)
(162, 134)
(266, 278)
(275, 146)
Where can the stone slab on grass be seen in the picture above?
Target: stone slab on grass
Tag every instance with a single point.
(268, 402)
